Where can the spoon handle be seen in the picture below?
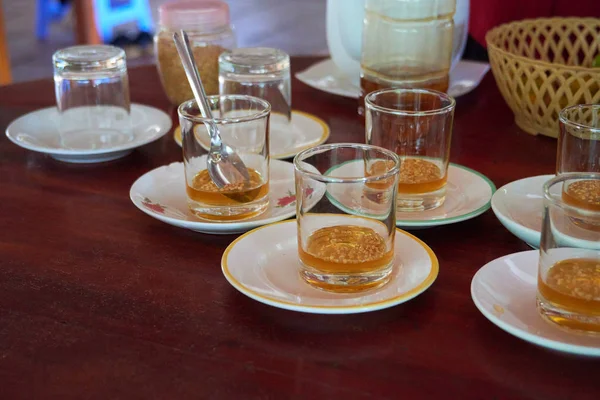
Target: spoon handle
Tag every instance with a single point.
(182, 44)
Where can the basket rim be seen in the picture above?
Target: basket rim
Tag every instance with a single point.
(521, 58)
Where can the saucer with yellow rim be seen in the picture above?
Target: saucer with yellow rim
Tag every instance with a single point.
(287, 139)
(263, 264)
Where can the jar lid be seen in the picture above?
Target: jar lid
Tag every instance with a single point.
(202, 15)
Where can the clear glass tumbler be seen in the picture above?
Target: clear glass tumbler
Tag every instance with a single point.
(262, 72)
(569, 267)
(346, 236)
(92, 96)
(417, 125)
(579, 139)
(243, 123)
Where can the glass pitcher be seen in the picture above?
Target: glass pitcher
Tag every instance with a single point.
(406, 44)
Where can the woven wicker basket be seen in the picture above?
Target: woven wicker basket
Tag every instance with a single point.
(544, 65)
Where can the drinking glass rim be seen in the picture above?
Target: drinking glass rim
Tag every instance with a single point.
(561, 179)
(330, 179)
(97, 58)
(183, 113)
(441, 110)
(562, 116)
(228, 61)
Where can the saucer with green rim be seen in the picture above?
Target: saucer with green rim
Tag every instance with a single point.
(468, 195)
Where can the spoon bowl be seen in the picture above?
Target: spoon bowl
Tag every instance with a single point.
(224, 165)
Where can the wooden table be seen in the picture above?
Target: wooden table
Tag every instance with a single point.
(98, 300)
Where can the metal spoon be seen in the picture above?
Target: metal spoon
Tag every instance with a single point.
(224, 165)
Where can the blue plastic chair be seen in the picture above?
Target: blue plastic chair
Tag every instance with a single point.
(108, 16)
(48, 11)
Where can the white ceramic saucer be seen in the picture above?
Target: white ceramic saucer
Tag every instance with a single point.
(161, 194)
(287, 140)
(468, 195)
(504, 291)
(519, 205)
(263, 264)
(40, 131)
(325, 76)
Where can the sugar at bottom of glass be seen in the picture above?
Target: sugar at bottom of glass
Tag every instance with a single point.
(569, 288)
(345, 252)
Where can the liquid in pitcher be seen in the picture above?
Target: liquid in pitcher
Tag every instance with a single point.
(406, 45)
(396, 77)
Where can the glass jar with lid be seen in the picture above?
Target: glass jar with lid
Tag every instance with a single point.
(208, 26)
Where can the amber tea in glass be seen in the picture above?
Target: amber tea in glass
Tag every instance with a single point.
(569, 266)
(417, 125)
(579, 139)
(583, 193)
(346, 238)
(243, 123)
(203, 190)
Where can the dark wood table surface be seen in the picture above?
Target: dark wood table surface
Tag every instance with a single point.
(98, 300)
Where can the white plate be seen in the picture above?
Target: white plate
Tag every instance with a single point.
(325, 76)
(161, 194)
(39, 131)
(263, 264)
(287, 140)
(468, 195)
(504, 291)
(519, 205)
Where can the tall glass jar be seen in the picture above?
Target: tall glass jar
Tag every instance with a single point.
(208, 26)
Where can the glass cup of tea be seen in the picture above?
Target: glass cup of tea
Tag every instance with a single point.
(243, 123)
(346, 237)
(262, 72)
(569, 266)
(579, 139)
(92, 96)
(416, 124)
